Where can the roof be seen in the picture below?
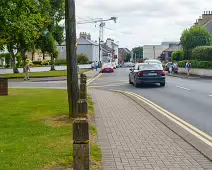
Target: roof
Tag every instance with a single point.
(124, 50)
(172, 48)
(84, 41)
(106, 49)
(167, 43)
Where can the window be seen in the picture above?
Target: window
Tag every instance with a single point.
(150, 67)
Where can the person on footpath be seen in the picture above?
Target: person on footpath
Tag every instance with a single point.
(92, 66)
(188, 67)
(27, 69)
(96, 64)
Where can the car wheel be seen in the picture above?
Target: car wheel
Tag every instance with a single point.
(162, 84)
(136, 84)
(130, 81)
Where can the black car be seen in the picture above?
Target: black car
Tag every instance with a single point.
(147, 73)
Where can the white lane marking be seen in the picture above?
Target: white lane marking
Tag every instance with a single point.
(183, 88)
(210, 95)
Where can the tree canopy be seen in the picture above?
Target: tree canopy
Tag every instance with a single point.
(138, 51)
(23, 24)
(194, 37)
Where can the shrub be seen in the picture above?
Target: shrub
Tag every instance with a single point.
(60, 62)
(203, 53)
(197, 64)
(45, 62)
(178, 55)
(82, 59)
(37, 62)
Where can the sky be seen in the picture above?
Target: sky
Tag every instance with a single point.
(140, 22)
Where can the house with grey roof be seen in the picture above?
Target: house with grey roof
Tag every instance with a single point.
(85, 46)
(205, 20)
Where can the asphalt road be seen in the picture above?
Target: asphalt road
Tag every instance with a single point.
(189, 98)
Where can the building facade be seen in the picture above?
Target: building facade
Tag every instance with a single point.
(205, 20)
(153, 51)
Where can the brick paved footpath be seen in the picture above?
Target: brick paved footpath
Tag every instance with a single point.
(131, 138)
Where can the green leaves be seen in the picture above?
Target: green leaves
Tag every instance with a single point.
(194, 37)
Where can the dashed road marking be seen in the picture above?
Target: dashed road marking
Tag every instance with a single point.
(183, 88)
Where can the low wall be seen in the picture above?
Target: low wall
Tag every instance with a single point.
(197, 71)
(41, 69)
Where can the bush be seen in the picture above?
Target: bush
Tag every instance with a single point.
(45, 62)
(178, 55)
(196, 64)
(203, 53)
(37, 62)
(82, 59)
(60, 62)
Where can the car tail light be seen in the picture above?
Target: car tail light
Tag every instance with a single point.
(140, 73)
(161, 73)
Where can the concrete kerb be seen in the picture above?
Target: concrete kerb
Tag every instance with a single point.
(205, 149)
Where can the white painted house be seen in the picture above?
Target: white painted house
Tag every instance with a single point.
(85, 46)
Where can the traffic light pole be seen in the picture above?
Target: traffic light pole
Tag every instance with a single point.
(72, 75)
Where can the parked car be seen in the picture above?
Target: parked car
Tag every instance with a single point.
(154, 62)
(147, 73)
(129, 64)
(107, 68)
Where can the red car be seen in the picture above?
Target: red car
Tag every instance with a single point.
(107, 68)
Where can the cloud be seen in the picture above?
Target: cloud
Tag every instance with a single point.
(141, 22)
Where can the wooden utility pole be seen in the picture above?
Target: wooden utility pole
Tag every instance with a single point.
(72, 75)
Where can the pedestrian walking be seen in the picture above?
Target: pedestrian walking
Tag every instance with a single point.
(188, 67)
(92, 66)
(27, 69)
(96, 65)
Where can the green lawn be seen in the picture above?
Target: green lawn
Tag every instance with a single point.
(40, 74)
(36, 132)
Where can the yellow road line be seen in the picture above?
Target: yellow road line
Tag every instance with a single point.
(174, 118)
(111, 85)
(92, 79)
(182, 121)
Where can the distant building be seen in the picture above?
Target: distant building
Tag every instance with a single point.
(166, 55)
(85, 46)
(153, 51)
(123, 52)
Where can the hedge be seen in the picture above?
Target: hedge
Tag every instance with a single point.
(178, 55)
(203, 53)
(196, 64)
(60, 62)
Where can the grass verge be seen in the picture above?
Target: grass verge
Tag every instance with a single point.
(55, 73)
(36, 132)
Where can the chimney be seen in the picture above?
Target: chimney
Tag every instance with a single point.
(200, 21)
(89, 36)
(83, 34)
(207, 16)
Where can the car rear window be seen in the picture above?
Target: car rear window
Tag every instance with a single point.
(149, 67)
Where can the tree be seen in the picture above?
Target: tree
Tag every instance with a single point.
(194, 37)
(178, 55)
(51, 48)
(138, 51)
(203, 53)
(128, 57)
(82, 59)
